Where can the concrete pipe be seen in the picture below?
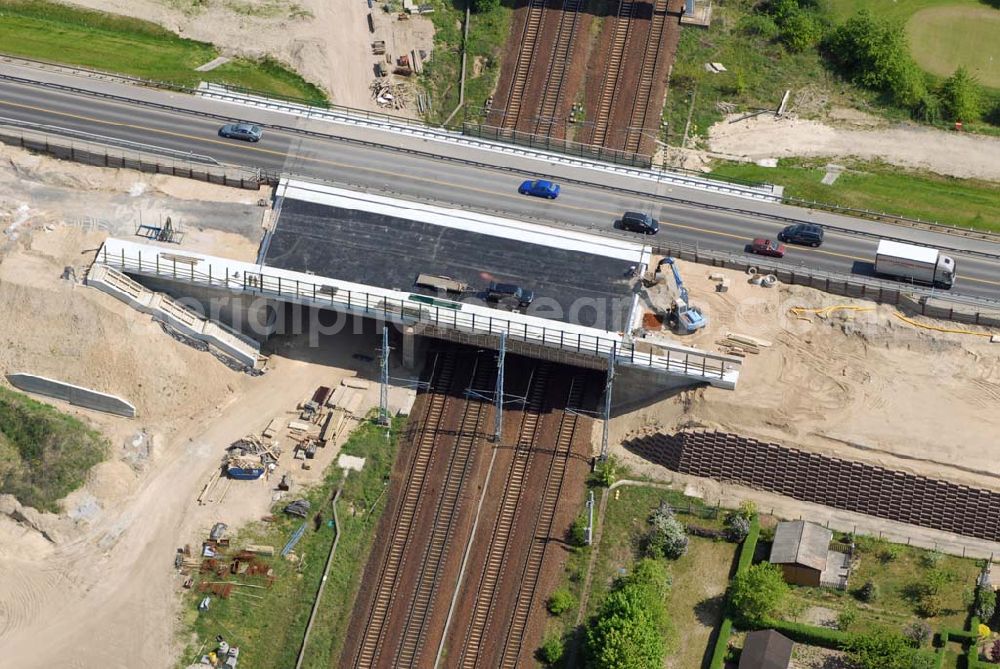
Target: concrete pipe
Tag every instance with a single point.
(751, 270)
(769, 280)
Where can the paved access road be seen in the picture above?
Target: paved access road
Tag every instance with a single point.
(415, 167)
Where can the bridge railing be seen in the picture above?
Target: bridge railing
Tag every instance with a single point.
(443, 314)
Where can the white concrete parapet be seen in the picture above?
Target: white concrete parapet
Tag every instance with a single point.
(241, 348)
(222, 273)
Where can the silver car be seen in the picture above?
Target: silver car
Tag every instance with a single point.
(245, 131)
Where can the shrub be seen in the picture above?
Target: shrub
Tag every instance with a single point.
(606, 472)
(882, 649)
(918, 633)
(562, 600)
(889, 553)
(551, 651)
(578, 532)
(484, 6)
(962, 96)
(667, 538)
(931, 559)
(986, 602)
(760, 25)
(929, 605)
(737, 526)
(811, 635)
(847, 617)
(757, 592)
(868, 592)
(628, 629)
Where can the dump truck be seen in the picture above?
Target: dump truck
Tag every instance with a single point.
(916, 264)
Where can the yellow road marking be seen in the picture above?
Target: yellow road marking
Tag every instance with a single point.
(437, 182)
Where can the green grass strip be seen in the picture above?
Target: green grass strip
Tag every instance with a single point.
(122, 45)
(968, 203)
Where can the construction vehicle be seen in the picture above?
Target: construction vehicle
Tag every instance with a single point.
(683, 318)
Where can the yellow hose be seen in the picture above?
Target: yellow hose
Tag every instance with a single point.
(937, 329)
(826, 310)
(798, 311)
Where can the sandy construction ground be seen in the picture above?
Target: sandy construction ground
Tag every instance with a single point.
(858, 384)
(94, 585)
(949, 153)
(328, 43)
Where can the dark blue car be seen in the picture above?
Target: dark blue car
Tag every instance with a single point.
(539, 188)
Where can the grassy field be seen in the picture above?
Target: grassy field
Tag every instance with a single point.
(442, 75)
(943, 34)
(943, 38)
(758, 73)
(44, 454)
(930, 197)
(268, 624)
(62, 34)
(898, 580)
(697, 599)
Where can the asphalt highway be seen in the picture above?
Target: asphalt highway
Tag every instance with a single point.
(384, 169)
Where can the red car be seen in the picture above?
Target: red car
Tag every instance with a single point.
(767, 247)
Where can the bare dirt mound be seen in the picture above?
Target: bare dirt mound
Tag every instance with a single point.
(948, 153)
(858, 384)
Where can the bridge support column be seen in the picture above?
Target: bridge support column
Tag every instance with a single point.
(410, 358)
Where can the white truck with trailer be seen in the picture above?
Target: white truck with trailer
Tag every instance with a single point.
(916, 264)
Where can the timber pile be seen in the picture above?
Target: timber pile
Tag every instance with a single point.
(390, 95)
(252, 445)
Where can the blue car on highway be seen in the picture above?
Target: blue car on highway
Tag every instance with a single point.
(539, 188)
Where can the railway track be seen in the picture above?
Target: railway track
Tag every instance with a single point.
(616, 60)
(526, 55)
(493, 569)
(568, 21)
(640, 105)
(414, 633)
(371, 644)
(543, 526)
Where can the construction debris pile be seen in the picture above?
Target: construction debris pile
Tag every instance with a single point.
(248, 458)
(389, 94)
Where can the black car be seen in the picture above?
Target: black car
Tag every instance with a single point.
(634, 221)
(806, 234)
(499, 292)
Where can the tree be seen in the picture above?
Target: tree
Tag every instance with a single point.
(757, 592)
(962, 96)
(484, 6)
(883, 649)
(874, 53)
(627, 632)
(667, 538)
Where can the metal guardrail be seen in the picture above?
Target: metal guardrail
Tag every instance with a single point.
(877, 289)
(568, 161)
(100, 155)
(683, 361)
(401, 120)
(187, 156)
